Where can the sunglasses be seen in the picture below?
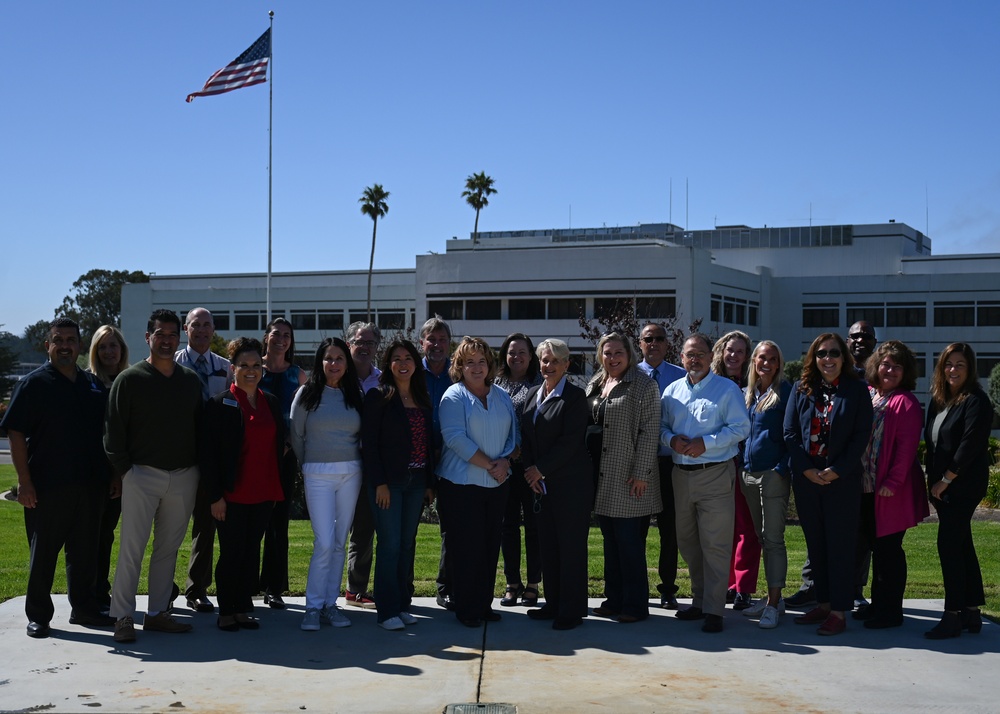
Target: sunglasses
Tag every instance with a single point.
(832, 354)
(654, 338)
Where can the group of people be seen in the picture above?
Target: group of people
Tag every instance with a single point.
(712, 448)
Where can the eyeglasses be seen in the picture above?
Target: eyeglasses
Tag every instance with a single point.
(861, 336)
(832, 354)
(694, 355)
(364, 343)
(654, 338)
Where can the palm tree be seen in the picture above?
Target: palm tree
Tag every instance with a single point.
(478, 189)
(374, 206)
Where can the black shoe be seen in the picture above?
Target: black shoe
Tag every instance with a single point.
(566, 623)
(491, 616)
(246, 622)
(803, 598)
(865, 612)
(742, 601)
(668, 602)
(690, 613)
(542, 613)
(713, 624)
(38, 630)
(950, 626)
(604, 611)
(274, 601)
(512, 595)
(730, 596)
(91, 619)
(445, 601)
(971, 620)
(227, 623)
(200, 603)
(882, 622)
(471, 621)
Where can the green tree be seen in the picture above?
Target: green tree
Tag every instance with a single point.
(793, 370)
(478, 189)
(993, 388)
(8, 361)
(374, 206)
(624, 319)
(35, 335)
(96, 299)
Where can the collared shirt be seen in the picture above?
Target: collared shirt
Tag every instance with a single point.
(371, 381)
(467, 426)
(712, 409)
(554, 394)
(215, 379)
(664, 374)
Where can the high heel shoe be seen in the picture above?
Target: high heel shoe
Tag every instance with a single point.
(274, 601)
(950, 626)
(511, 595)
(971, 620)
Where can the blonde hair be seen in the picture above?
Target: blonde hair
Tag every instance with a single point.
(95, 363)
(466, 348)
(719, 353)
(607, 337)
(773, 397)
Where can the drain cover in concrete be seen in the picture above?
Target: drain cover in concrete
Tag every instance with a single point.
(487, 708)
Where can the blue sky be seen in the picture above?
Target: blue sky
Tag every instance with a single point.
(853, 112)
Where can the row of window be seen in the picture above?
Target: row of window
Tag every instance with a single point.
(325, 320)
(570, 308)
(734, 311)
(982, 313)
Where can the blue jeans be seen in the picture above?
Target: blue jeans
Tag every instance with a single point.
(396, 531)
(626, 580)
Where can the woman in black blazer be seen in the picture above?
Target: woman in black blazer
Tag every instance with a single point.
(827, 425)
(557, 467)
(243, 440)
(958, 464)
(396, 450)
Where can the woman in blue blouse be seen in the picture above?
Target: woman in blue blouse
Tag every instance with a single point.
(479, 429)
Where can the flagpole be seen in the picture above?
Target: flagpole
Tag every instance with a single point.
(270, 171)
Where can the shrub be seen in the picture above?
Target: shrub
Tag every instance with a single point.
(992, 499)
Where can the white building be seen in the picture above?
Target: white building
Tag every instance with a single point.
(786, 284)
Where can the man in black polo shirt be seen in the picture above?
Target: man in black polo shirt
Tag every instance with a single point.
(55, 424)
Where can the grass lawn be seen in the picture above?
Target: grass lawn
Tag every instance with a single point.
(924, 579)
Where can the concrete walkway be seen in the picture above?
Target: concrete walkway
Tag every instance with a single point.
(655, 666)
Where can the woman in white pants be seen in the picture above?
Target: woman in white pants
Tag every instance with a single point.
(326, 427)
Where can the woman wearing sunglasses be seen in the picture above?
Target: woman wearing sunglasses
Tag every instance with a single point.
(827, 424)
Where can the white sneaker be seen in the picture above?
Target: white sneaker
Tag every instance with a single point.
(393, 623)
(768, 618)
(407, 618)
(332, 615)
(757, 609)
(310, 622)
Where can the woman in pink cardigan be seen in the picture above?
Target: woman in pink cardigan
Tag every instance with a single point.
(895, 497)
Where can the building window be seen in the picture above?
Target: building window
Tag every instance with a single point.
(821, 315)
(954, 314)
(447, 309)
(608, 306)
(989, 314)
(221, 320)
(391, 320)
(715, 314)
(304, 319)
(482, 309)
(566, 308)
(530, 309)
(872, 314)
(904, 315)
(651, 308)
(248, 321)
(921, 358)
(331, 320)
(753, 314)
(357, 316)
(985, 362)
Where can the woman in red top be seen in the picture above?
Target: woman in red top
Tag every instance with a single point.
(243, 438)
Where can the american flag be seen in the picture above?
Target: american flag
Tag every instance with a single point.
(246, 70)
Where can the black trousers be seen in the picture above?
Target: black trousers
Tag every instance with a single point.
(239, 555)
(274, 566)
(963, 578)
(666, 523)
(563, 528)
(65, 518)
(110, 515)
(472, 517)
(520, 500)
(202, 545)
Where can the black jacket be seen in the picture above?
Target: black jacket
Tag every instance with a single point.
(386, 439)
(222, 440)
(962, 447)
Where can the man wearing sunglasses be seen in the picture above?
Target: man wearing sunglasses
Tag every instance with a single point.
(861, 342)
(653, 343)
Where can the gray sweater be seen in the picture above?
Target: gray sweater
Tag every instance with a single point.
(331, 432)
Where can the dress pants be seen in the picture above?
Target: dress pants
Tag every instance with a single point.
(274, 563)
(360, 545)
(563, 528)
(744, 564)
(472, 517)
(65, 517)
(829, 515)
(889, 574)
(331, 499)
(159, 501)
(396, 528)
(239, 555)
(202, 546)
(705, 505)
(520, 500)
(666, 523)
(766, 494)
(963, 578)
(110, 515)
(626, 579)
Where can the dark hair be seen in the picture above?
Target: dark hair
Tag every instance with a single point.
(533, 366)
(434, 324)
(163, 315)
(64, 322)
(312, 390)
(244, 344)
(418, 385)
(811, 377)
(290, 352)
(898, 353)
(940, 389)
(703, 337)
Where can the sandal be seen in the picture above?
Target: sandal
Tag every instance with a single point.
(511, 594)
(529, 598)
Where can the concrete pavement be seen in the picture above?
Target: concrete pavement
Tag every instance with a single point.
(658, 665)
